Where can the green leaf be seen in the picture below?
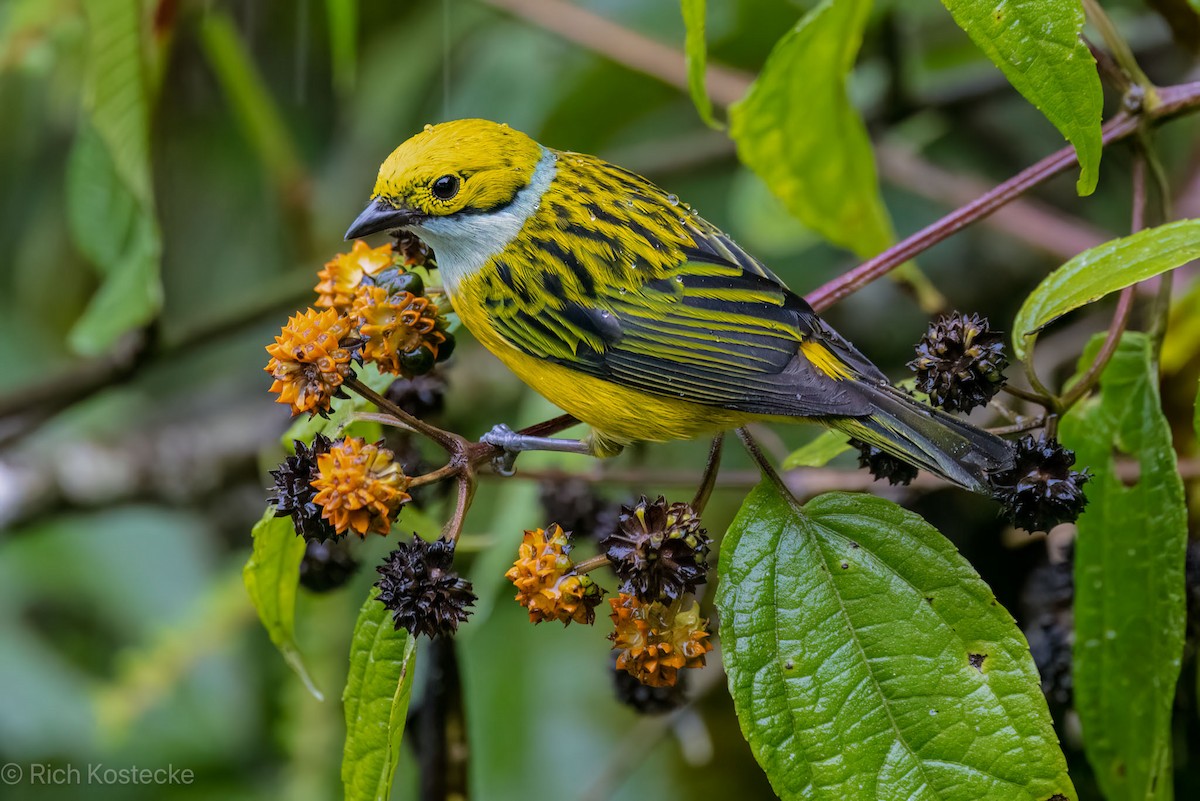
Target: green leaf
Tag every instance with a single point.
(252, 104)
(1103, 269)
(271, 576)
(115, 92)
(109, 193)
(868, 660)
(819, 452)
(1129, 577)
(1037, 45)
(101, 211)
(697, 58)
(796, 129)
(343, 41)
(378, 689)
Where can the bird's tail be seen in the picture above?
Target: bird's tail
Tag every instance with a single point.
(929, 438)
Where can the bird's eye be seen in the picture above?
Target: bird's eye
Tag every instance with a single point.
(445, 187)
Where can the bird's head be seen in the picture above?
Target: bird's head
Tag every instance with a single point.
(449, 172)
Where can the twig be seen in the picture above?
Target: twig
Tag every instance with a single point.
(441, 744)
(708, 479)
(1026, 395)
(590, 564)
(452, 443)
(1124, 304)
(1116, 43)
(765, 466)
(1119, 127)
(462, 504)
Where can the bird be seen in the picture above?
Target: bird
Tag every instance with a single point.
(624, 307)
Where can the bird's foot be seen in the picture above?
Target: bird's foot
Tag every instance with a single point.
(509, 442)
(512, 443)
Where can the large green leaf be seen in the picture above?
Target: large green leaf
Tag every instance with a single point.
(868, 660)
(1103, 269)
(378, 689)
(271, 576)
(343, 41)
(251, 102)
(115, 92)
(697, 58)
(797, 130)
(109, 193)
(1037, 45)
(1129, 577)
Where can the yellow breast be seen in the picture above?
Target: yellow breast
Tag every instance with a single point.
(618, 413)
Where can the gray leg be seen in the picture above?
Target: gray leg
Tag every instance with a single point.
(501, 436)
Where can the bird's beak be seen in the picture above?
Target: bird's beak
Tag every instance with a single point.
(379, 216)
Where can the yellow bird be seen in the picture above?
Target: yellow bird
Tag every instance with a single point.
(628, 310)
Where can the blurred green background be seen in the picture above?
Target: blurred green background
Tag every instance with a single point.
(130, 474)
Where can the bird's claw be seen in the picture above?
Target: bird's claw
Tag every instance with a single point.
(503, 437)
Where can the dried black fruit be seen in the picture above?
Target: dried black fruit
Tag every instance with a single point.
(576, 506)
(327, 565)
(645, 699)
(883, 465)
(293, 491)
(418, 584)
(960, 362)
(658, 550)
(1041, 490)
(422, 396)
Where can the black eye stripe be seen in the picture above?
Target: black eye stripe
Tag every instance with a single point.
(445, 187)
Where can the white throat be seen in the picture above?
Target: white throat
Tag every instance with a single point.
(463, 244)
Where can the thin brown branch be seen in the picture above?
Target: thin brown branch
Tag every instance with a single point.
(708, 478)
(1028, 220)
(451, 443)
(1119, 127)
(462, 504)
(1120, 319)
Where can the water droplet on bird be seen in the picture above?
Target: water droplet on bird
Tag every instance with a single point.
(673, 200)
(629, 203)
(428, 127)
(679, 280)
(622, 290)
(592, 216)
(504, 125)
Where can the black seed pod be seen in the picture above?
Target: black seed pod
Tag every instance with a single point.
(645, 699)
(883, 465)
(575, 505)
(446, 348)
(425, 595)
(1047, 601)
(293, 491)
(327, 565)
(421, 396)
(413, 252)
(417, 361)
(960, 362)
(396, 281)
(658, 551)
(1041, 490)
